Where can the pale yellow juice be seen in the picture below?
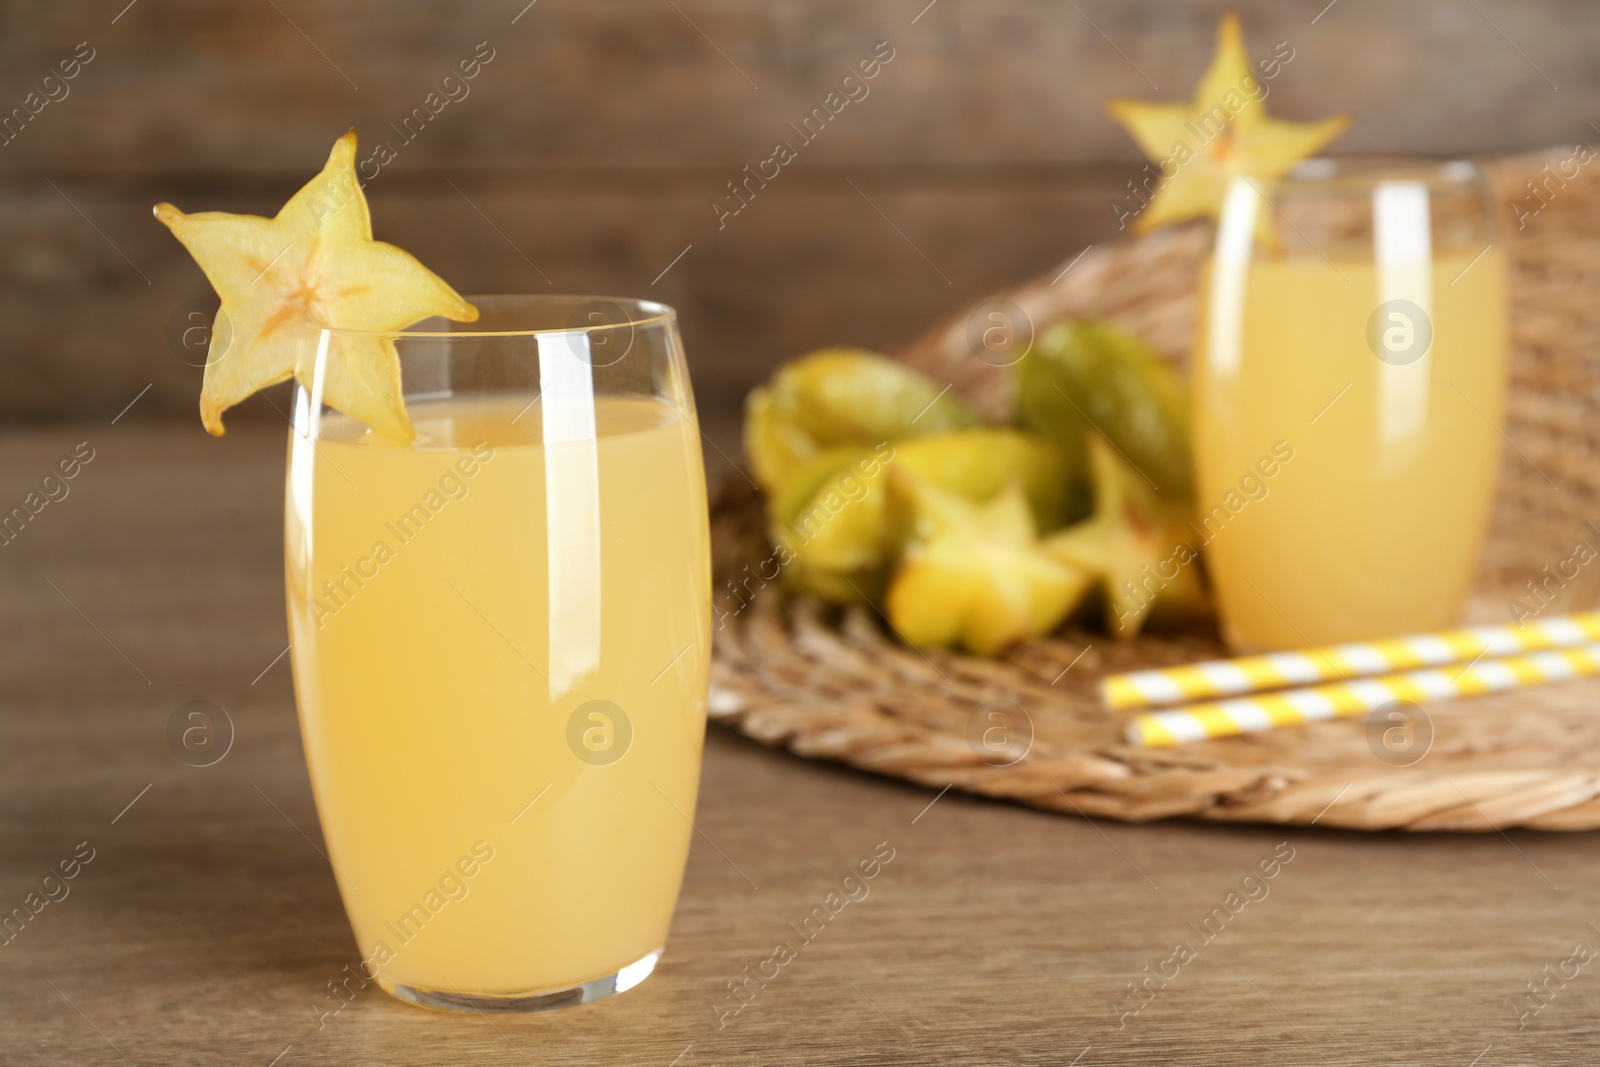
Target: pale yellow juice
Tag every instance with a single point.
(1341, 495)
(491, 829)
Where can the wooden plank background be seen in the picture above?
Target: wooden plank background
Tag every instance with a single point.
(588, 151)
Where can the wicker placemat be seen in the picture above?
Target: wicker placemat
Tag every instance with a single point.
(831, 685)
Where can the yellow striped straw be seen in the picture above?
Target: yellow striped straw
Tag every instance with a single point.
(1252, 674)
(1263, 711)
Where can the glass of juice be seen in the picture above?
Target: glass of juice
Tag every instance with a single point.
(1349, 394)
(501, 637)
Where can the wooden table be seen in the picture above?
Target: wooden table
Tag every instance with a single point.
(206, 928)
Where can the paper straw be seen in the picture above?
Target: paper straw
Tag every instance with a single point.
(1253, 674)
(1263, 711)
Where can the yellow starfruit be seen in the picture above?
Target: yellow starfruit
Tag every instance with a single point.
(1222, 134)
(842, 396)
(974, 574)
(313, 264)
(1136, 546)
(1088, 376)
(832, 517)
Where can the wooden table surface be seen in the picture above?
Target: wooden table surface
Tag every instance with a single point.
(206, 928)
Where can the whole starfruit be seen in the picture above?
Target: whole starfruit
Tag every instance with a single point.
(842, 396)
(1083, 377)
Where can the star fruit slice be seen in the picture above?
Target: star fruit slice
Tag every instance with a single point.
(1223, 134)
(975, 575)
(1135, 545)
(314, 264)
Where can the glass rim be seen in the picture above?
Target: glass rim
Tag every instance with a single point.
(1364, 171)
(652, 313)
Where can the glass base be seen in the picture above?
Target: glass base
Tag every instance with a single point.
(525, 1000)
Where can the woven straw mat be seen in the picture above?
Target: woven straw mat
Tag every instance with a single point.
(829, 685)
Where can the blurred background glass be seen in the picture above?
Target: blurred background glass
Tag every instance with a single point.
(1352, 324)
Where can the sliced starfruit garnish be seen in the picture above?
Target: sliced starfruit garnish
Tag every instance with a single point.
(842, 396)
(1135, 545)
(833, 522)
(313, 264)
(1222, 134)
(975, 575)
(1089, 376)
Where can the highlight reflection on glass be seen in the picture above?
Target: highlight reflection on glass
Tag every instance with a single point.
(501, 638)
(1349, 390)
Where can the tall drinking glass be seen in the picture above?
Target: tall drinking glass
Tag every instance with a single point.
(1349, 392)
(501, 637)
